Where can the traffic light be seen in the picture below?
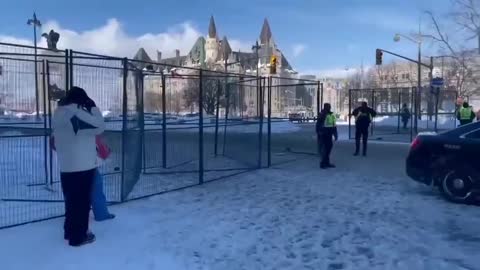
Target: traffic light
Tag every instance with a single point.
(379, 56)
(273, 65)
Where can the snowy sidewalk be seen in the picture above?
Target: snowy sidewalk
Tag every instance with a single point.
(291, 217)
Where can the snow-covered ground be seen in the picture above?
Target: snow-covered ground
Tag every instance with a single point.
(245, 126)
(443, 122)
(293, 216)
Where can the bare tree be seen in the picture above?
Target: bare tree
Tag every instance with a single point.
(461, 63)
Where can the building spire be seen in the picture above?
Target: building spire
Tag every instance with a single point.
(266, 33)
(212, 30)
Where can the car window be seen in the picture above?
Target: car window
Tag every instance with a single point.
(473, 135)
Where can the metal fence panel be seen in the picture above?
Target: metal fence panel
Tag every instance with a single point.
(389, 104)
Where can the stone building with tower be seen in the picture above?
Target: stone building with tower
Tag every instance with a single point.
(215, 53)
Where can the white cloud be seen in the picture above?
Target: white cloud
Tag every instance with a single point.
(243, 46)
(111, 39)
(14, 40)
(339, 73)
(298, 49)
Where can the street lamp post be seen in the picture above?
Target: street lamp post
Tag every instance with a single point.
(418, 95)
(35, 23)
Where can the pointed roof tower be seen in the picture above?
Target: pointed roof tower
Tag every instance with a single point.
(142, 55)
(212, 30)
(225, 48)
(266, 33)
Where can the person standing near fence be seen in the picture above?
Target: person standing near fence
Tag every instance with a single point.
(405, 115)
(75, 123)
(326, 129)
(363, 117)
(98, 200)
(465, 114)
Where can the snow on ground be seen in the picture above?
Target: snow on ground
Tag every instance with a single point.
(443, 122)
(244, 126)
(293, 216)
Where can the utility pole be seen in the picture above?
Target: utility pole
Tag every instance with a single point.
(36, 23)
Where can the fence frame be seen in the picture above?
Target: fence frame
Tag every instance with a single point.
(69, 61)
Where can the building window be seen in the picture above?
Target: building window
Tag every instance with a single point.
(407, 76)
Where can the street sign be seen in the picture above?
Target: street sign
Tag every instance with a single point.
(436, 85)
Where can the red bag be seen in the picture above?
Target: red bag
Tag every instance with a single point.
(103, 151)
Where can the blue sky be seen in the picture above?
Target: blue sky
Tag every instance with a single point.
(315, 35)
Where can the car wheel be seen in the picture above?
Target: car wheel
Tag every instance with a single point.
(457, 186)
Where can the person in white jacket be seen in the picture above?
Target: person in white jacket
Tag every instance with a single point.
(75, 124)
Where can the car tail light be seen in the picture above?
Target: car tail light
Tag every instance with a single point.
(415, 144)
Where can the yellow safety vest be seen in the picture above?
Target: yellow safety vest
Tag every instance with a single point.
(465, 113)
(330, 121)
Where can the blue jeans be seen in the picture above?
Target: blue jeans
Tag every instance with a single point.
(99, 201)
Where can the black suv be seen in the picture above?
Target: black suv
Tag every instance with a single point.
(449, 160)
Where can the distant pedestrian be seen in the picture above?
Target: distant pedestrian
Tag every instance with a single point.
(478, 116)
(363, 117)
(75, 124)
(326, 129)
(465, 114)
(405, 115)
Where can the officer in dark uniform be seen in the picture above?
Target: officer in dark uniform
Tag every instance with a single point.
(326, 130)
(363, 117)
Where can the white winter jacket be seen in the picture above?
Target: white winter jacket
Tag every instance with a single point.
(74, 129)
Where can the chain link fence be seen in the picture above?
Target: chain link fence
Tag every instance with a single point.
(403, 112)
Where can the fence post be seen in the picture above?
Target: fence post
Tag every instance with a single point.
(200, 128)
(227, 109)
(318, 98)
(399, 109)
(140, 94)
(66, 70)
(412, 103)
(374, 107)
(349, 114)
(45, 127)
(48, 116)
(71, 68)
(124, 127)
(260, 132)
(321, 96)
(216, 117)
(436, 111)
(269, 111)
(164, 123)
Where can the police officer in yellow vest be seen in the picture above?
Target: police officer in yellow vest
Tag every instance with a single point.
(326, 130)
(465, 114)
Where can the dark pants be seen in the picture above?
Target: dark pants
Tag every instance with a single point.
(325, 145)
(77, 191)
(361, 132)
(405, 122)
